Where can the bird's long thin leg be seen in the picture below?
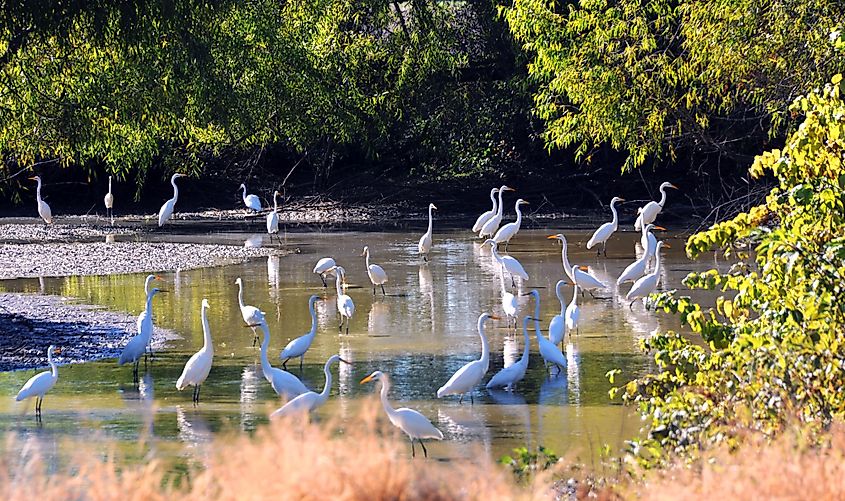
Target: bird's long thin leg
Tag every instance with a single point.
(347, 326)
(413, 452)
(301, 357)
(461, 400)
(325, 285)
(374, 289)
(425, 452)
(471, 399)
(254, 336)
(604, 248)
(382, 290)
(631, 306)
(425, 258)
(285, 364)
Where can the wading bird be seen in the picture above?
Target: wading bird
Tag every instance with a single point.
(509, 302)
(551, 354)
(345, 306)
(143, 315)
(323, 266)
(298, 346)
(577, 274)
(492, 225)
(43, 209)
(252, 316)
(411, 422)
(137, 345)
(639, 267)
(376, 273)
(273, 217)
(38, 385)
(509, 263)
(605, 231)
(649, 212)
(284, 383)
(483, 218)
(647, 284)
(557, 327)
(424, 246)
(310, 400)
(573, 312)
(108, 201)
(166, 211)
(251, 201)
(514, 373)
(198, 366)
(510, 230)
(468, 376)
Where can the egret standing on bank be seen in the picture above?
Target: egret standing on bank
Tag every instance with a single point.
(43, 209)
(489, 228)
(252, 316)
(414, 424)
(108, 200)
(273, 217)
(483, 218)
(251, 201)
(468, 376)
(510, 230)
(166, 210)
(38, 385)
(199, 365)
(298, 346)
(310, 400)
(424, 246)
(649, 212)
(323, 266)
(375, 272)
(604, 232)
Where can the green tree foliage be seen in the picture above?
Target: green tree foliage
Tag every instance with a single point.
(651, 77)
(772, 348)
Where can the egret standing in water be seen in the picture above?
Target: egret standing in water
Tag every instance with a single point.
(557, 327)
(573, 312)
(345, 306)
(38, 385)
(639, 267)
(647, 284)
(252, 316)
(250, 201)
(468, 376)
(273, 217)
(43, 209)
(143, 315)
(424, 246)
(489, 228)
(323, 266)
(514, 373)
(284, 383)
(199, 365)
(649, 212)
(166, 211)
(298, 346)
(411, 422)
(604, 232)
(577, 274)
(137, 345)
(509, 263)
(310, 400)
(375, 272)
(508, 231)
(108, 201)
(483, 218)
(552, 356)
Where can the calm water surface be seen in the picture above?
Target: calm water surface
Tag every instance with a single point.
(420, 334)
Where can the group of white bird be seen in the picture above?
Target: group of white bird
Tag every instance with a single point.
(464, 381)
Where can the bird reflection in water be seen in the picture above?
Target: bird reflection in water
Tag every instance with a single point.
(251, 377)
(194, 432)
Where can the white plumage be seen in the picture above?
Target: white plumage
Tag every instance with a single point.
(284, 383)
(639, 267)
(377, 275)
(603, 233)
(39, 384)
(511, 264)
(647, 284)
(468, 376)
(508, 231)
(252, 316)
(199, 365)
(166, 211)
(300, 345)
(323, 266)
(345, 306)
(43, 209)
(514, 373)
(273, 217)
(308, 401)
(251, 201)
(108, 201)
(649, 212)
(137, 345)
(573, 312)
(557, 327)
(489, 228)
(483, 218)
(550, 352)
(424, 245)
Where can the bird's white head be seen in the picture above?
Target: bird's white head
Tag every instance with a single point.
(662, 244)
(616, 200)
(506, 188)
(54, 350)
(242, 186)
(205, 304)
(521, 202)
(432, 206)
(238, 281)
(375, 376)
(36, 178)
(155, 291)
(365, 251)
(532, 292)
(313, 300)
(494, 191)
(559, 236)
(667, 184)
(490, 242)
(177, 176)
(335, 359)
(276, 193)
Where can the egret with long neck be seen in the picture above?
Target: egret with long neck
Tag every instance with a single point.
(300, 345)
(467, 377)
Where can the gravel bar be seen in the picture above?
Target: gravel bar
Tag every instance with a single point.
(29, 233)
(98, 258)
(29, 324)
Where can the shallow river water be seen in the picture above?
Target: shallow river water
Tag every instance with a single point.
(420, 334)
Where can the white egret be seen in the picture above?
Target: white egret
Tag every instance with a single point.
(284, 383)
(649, 212)
(557, 327)
(345, 306)
(468, 376)
(43, 209)
(273, 217)
(38, 385)
(137, 345)
(479, 223)
(639, 267)
(647, 240)
(514, 373)
(424, 246)
(199, 365)
(605, 231)
(573, 312)
(251, 201)
(411, 422)
(108, 201)
(577, 274)
(143, 315)
(489, 228)
(647, 284)
(323, 266)
(310, 400)
(550, 352)
(375, 272)
(511, 264)
(298, 346)
(510, 230)
(166, 210)
(509, 302)
(252, 316)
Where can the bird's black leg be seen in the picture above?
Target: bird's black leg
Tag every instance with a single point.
(325, 285)
(382, 290)
(413, 452)
(300, 363)
(471, 399)
(631, 306)
(461, 400)
(424, 449)
(425, 258)
(374, 289)
(347, 326)
(285, 364)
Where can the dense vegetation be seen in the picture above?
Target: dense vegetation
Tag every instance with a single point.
(770, 351)
(444, 89)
